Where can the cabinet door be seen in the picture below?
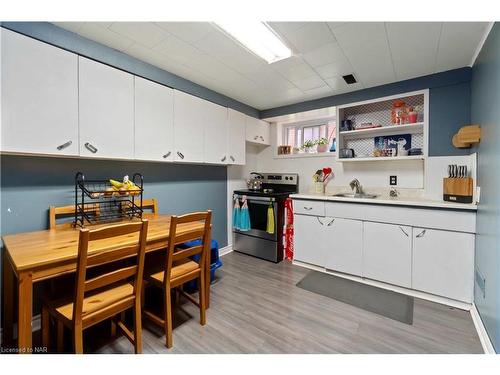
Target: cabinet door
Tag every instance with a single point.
(215, 132)
(387, 253)
(188, 128)
(344, 245)
(39, 97)
(257, 131)
(443, 263)
(308, 240)
(106, 111)
(236, 138)
(154, 121)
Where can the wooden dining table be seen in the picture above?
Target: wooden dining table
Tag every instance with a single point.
(36, 256)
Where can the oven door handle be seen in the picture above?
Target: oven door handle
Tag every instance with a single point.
(256, 199)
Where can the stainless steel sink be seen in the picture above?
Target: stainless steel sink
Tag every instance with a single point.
(351, 195)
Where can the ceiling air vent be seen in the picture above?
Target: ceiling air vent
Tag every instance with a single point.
(349, 79)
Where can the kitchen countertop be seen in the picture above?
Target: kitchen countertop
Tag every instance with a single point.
(399, 201)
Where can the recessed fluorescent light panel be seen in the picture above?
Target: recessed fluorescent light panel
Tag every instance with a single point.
(258, 37)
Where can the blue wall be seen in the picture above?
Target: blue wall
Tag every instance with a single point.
(30, 184)
(449, 105)
(486, 112)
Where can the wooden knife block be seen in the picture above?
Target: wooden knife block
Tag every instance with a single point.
(458, 189)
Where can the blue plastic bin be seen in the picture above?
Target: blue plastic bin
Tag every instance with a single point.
(215, 262)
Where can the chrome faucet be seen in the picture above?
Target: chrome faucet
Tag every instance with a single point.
(355, 185)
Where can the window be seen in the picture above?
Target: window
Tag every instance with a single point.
(296, 134)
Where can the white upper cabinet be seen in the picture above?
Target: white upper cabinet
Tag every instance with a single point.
(39, 97)
(215, 122)
(257, 131)
(236, 138)
(188, 128)
(387, 253)
(154, 121)
(106, 97)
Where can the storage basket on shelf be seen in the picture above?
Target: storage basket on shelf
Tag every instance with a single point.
(99, 201)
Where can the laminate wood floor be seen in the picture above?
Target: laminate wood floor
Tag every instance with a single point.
(256, 308)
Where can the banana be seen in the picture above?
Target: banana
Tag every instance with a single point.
(116, 184)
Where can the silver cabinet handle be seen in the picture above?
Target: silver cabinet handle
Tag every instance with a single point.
(402, 230)
(232, 158)
(180, 154)
(64, 145)
(421, 234)
(317, 217)
(308, 208)
(90, 147)
(331, 222)
(223, 159)
(167, 155)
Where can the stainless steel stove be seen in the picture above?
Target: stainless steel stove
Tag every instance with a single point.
(256, 241)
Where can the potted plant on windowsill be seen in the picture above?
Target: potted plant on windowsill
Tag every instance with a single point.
(322, 144)
(308, 145)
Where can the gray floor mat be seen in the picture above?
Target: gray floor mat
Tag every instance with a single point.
(387, 303)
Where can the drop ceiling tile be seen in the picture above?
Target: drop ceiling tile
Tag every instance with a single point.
(318, 92)
(151, 57)
(309, 83)
(413, 47)
(177, 49)
(339, 86)
(309, 37)
(267, 78)
(230, 52)
(335, 69)
(365, 46)
(285, 27)
(293, 68)
(333, 25)
(323, 55)
(96, 31)
(145, 33)
(189, 32)
(458, 44)
(71, 26)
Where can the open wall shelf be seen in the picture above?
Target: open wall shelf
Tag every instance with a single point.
(378, 111)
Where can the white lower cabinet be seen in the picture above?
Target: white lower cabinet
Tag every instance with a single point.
(309, 245)
(443, 263)
(343, 240)
(387, 253)
(434, 261)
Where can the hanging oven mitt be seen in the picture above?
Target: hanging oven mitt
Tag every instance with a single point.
(236, 214)
(270, 219)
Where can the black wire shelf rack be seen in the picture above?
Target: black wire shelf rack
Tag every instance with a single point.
(98, 201)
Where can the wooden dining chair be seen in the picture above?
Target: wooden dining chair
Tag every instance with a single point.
(68, 211)
(150, 204)
(105, 295)
(179, 268)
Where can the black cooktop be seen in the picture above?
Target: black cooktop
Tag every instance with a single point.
(261, 193)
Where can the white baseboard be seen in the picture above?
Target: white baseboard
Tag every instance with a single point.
(481, 331)
(225, 250)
